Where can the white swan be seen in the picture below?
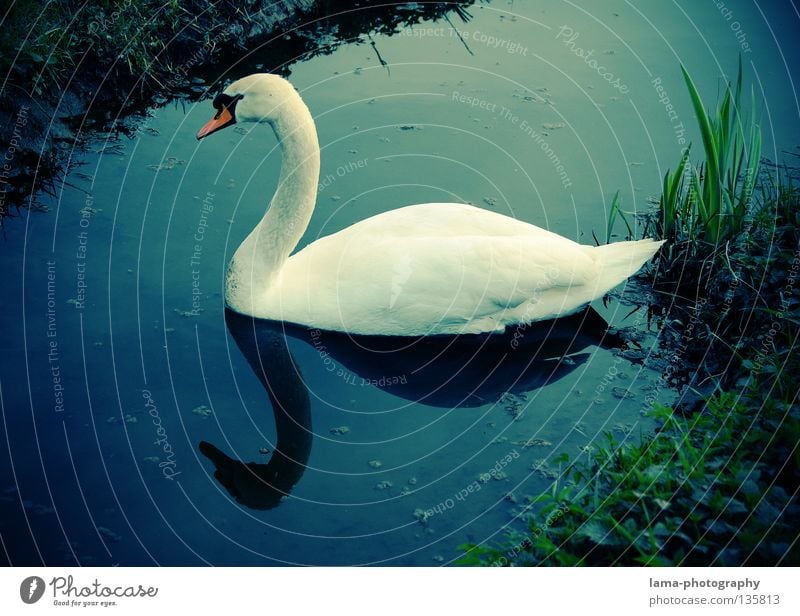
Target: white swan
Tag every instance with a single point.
(433, 268)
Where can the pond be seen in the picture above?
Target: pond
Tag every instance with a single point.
(120, 359)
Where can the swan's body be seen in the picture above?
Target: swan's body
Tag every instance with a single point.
(434, 268)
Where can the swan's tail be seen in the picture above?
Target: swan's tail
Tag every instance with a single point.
(621, 260)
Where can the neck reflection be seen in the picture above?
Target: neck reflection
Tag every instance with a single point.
(258, 485)
(438, 371)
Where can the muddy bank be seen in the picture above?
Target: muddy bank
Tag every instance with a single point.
(73, 69)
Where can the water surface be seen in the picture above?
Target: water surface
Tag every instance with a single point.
(118, 361)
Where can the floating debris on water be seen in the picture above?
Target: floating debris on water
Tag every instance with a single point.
(513, 404)
(375, 463)
(202, 411)
(168, 164)
(187, 313)
(533, 442)
(37, 508)
(543, 469)
(622, 393)
(108, 533)
(384, 485)
(553, 125)
(623, 428)
(421, 516)
(340, 430)
(263, 450)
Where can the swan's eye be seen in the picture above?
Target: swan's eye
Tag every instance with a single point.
(225, 100)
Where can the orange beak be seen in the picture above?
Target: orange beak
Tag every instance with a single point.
(221, 120)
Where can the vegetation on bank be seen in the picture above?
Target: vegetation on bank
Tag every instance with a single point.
(81, 66)
(131, 49)
(143, 45)
(145, 42)
(717, 484)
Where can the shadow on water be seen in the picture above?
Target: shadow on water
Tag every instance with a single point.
(439, 371)
(261, 486)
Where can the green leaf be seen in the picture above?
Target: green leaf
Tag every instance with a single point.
(598, 533)
(736, 506)
(710, 142)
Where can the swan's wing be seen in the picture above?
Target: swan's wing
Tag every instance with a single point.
(444, 220)
(380, 283)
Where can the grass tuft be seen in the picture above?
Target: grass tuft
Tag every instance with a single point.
(717, 483)
(706, 205)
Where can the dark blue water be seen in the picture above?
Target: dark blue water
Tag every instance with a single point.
(118, 361)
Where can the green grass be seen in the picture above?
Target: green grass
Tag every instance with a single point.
(614, 211)
(703, 491)
(717, 483)
(133, 39)
(704, 206)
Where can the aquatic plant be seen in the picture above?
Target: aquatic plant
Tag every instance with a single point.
(710, 203)
(614, 211)
(716, 483)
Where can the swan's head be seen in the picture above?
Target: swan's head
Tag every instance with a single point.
(261, 97)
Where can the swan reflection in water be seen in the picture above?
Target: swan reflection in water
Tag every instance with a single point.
(439, 371)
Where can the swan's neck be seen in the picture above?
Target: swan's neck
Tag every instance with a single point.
(263, 253)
